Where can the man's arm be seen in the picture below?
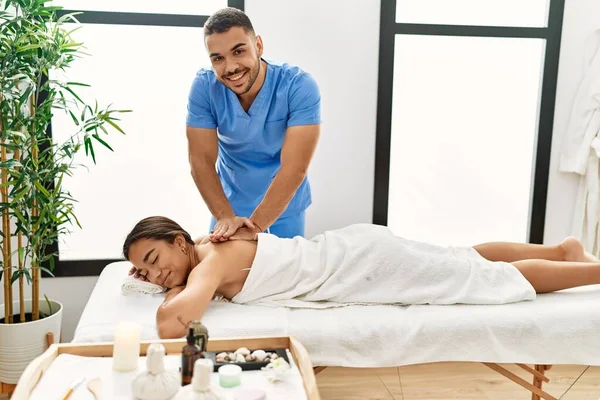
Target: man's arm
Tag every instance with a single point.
(297, 152)
(301, 139)
(202, 154)
(189, 303)
(202, 139)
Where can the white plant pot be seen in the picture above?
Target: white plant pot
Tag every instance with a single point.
(21, 343)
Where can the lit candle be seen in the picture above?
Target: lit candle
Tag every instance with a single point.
(126, 349)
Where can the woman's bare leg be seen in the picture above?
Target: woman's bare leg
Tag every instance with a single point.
(569, 249)
(549, 276)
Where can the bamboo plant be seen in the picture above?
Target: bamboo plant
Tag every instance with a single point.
(36, 49)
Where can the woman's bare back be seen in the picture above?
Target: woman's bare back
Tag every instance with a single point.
(234, 258)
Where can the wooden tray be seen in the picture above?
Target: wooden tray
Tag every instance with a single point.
(34, 371)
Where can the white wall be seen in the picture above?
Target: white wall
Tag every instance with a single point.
(338, 42)
(581, 18)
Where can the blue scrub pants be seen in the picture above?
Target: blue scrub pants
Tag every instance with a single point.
(286, 227)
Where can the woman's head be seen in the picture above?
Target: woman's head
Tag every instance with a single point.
(160, 250)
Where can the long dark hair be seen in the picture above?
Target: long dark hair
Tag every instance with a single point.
(155, 228)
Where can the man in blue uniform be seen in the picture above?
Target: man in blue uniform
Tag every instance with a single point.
(259, 122)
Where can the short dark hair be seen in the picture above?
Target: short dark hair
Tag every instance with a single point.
(225, 19)
(155, 228)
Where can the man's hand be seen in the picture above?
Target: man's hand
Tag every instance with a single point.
(245, 234)
(226, 227)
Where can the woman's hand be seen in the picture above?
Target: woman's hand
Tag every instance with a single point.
(136, 274)
(226, 227)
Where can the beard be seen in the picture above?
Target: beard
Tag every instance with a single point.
(253, 75)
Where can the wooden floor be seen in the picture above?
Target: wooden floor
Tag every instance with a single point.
(453, 381)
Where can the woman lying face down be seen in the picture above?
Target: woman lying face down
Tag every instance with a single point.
(194, 271)
(358, 264)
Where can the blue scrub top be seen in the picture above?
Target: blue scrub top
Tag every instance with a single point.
(250, 143)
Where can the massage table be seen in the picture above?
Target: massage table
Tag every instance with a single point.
(557, 328)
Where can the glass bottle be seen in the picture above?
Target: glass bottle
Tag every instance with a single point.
(189, 354)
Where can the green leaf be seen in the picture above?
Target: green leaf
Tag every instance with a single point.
(90, 147)
(12, 163)
(74, 118)
(97, 137)
(20, 217)
(46, 270)
(69, 33)
(51, 262)
(27, 275)
(28, 47)
(68, 89)
(115, 126)
(25, 95)
(16, 274)
(78, 84)
(41, 188)
(49, 304)
(17, 133)
(70, 16)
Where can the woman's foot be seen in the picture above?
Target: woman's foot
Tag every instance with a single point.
(574, 251)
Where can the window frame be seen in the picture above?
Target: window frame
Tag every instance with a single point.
(389, 28)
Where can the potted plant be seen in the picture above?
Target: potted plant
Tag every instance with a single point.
(36, 48)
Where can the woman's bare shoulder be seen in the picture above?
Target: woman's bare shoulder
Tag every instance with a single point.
(228, 256)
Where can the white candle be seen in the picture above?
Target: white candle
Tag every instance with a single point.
(126, 349)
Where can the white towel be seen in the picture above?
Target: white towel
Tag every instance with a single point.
(368, 264)
(131, 285)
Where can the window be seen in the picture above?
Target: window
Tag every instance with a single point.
(529, 13)
(465, 114)
(464, 125)
(148, 70)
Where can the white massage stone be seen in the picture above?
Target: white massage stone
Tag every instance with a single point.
(243, 351)
(259, 355)
(200, 389)
(155, 383)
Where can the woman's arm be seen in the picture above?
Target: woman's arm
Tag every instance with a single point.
(187, 303)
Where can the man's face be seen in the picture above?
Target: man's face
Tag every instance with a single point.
(235, 58)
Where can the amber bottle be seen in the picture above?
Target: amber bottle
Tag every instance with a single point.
(189, 354)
